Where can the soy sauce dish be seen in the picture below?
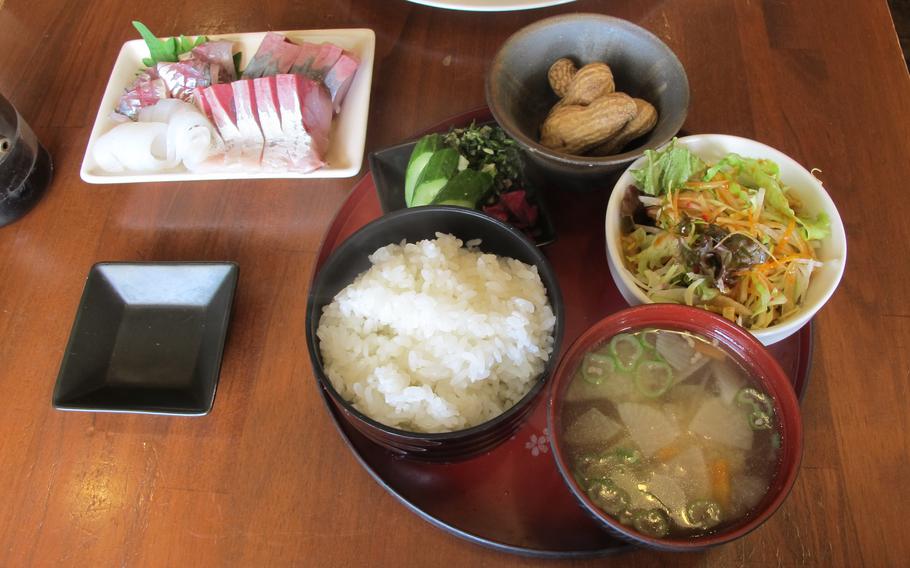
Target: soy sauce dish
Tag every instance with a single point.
(674, 428)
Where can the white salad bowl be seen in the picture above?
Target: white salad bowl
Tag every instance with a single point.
(711, 148)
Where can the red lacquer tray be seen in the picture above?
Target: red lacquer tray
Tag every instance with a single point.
(513, 498)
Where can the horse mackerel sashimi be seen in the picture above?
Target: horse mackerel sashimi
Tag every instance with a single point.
(275, 56)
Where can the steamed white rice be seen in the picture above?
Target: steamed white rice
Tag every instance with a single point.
(437, 337)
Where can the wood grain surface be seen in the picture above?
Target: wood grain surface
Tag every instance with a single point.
(265, 480)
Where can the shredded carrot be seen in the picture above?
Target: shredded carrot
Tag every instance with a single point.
(707, 184)
(786, 238)
(727, 196)
(720, 481)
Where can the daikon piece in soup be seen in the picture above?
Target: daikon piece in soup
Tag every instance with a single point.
(668, 434)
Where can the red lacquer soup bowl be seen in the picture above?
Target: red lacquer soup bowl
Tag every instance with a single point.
(744, 350)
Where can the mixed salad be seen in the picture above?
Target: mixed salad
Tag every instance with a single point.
(729, 237)
(478, 167)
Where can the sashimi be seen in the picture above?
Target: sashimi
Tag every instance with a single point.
(305, 57)
(135, 147)
(219, 101)
(146, 90)
(183, 78)
(306, 117)
(221, 55)
(327, 56)
(338, 80)
(274, 56)
(191, 138)
(247, 120)
(275, 155)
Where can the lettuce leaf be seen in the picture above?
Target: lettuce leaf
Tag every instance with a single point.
(667, 169)
(765, 173)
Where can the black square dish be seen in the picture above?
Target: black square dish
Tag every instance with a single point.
(148, 338)
(388, 168)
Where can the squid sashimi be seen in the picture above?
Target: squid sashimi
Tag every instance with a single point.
(135, 147)
(166, 134)
(191, 138)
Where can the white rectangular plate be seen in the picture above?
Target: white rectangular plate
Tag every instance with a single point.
(349, 127)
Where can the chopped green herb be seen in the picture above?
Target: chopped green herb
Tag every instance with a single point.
(488, 149)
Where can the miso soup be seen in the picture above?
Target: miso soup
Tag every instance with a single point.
(668, 434)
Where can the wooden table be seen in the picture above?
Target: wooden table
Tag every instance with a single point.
(265, 479)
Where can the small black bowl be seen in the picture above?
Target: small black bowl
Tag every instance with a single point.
(520, 97)
(351, 258)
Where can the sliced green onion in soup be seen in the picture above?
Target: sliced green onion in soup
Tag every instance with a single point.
(760, 403)
(653, 522)
(648, 339)
(754, 398)
(653, 378)
(627, 456)
(758, 420)
(626, 350)
(595, 368)
(704, 514)
(608, 497)
(626, 516)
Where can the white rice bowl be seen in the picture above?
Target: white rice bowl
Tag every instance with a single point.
(437, 337)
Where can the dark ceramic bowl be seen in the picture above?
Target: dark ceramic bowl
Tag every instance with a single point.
(520, 96)
(412, 225)
(744, 349)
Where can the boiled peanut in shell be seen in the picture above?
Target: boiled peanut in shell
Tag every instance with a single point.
(560, 75)
(645, 119)
(590, 82)
(574, 129)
